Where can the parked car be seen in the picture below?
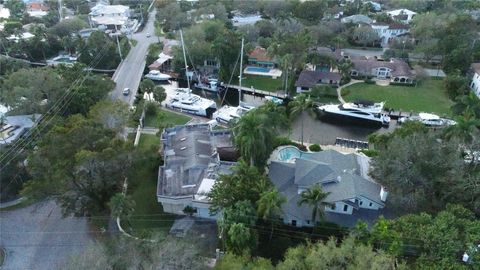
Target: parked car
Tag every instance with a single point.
(126, 91)
(148, 35)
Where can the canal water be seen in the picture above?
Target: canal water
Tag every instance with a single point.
(321, 130)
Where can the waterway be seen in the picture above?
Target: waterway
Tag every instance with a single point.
(315, 130)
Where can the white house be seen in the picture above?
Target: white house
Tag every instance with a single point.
(403, 15)
(240, 19)
(343, 176)
(475, 83)
(111, 16)
(192, 162)
(387, 32)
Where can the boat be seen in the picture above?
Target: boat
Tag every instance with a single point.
(184, 101)
(156, 75)
(192, 104)
(228, 113)
(210, 84)
(362, 110)
(275, 100)
(428, 119)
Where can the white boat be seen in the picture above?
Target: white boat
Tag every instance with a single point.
(226, 113)
(156, 75)
(183, 100)
(364, 111)
(192, 104)
(211, 85)
(428, 119)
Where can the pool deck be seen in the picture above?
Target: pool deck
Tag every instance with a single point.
(274, 73)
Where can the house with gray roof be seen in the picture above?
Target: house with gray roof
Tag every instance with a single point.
(192, 157)
(396, 70)
(357, 19)
(343, 176)
(310, 78)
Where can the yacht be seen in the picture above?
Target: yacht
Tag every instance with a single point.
(192, 104)
(228, 113)
(210, 84)
(156, 75)
(429, 119)
(364, 111)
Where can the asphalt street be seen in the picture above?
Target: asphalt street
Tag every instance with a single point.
(130, 71)
(39, 237)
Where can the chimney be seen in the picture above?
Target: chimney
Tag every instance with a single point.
(383, 194)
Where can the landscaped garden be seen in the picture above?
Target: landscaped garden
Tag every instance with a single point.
(428, 96)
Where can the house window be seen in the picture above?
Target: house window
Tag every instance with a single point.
(345, 208)
(370, 204)
(308, 221)
(294, 222)
(361, 202)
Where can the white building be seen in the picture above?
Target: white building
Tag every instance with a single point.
(475, 83)
(4, 12)
(192, 163)
(111, 16)
(388, 32)
(403, 15)
(343, 176)
(245, 19)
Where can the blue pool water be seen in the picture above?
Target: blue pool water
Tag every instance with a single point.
(289, 153)
(258, 69)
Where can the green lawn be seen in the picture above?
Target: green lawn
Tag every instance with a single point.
(148, 214)
(262, 82)
(164, 118)
(428, 96)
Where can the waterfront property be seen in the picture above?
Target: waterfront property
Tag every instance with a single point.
(426, 96)
(310, 78)
(259, 63)
(475, 74)
(343, 176)
(396, 70)
(403, 15)
(192, 162)
(13, 127)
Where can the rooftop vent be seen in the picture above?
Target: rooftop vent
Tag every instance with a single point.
(183, 139)
(183, 148)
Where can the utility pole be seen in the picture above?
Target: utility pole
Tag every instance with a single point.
(118, 44)
(60, 10)
(240, 78)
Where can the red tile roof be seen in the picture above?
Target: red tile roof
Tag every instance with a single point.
(260, 54)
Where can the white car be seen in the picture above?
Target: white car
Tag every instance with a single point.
(126, 91)
(148, 35)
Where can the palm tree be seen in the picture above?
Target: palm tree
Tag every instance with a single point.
(314, 196)
(121, 205)
(254, 136)
(467, 104)
(345, 67)
(269, 206)
(465, 128)
(299, 105)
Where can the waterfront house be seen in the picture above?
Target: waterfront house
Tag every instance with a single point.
(396, 70)
(193, 159)
(259, 63)
(343, 176)
(164, 60)
(475, 83)
(310, 78)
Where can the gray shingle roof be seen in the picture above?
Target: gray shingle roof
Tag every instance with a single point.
(310, 78)
(398, 67)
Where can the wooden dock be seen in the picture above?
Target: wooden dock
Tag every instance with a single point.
(256, 92)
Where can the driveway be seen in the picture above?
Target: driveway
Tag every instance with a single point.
(38, 237)
(130, 71)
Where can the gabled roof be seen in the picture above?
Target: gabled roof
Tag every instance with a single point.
(398, 67)
(310, 78)
(358, 18)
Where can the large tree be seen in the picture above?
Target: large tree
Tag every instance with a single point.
(254, 136)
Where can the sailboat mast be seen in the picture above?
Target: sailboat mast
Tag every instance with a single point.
(184, 58)
(240, 78)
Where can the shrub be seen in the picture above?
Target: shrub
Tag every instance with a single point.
(280, 141)
(151, 108)
(369, 81)
(369, 152)
(315, 148)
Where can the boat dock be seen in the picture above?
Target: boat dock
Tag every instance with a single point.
(257, 92)
(398, 114)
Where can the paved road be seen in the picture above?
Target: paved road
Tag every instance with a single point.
(130, 71)
(38, 237)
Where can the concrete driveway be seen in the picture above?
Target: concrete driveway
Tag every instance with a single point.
(38, 237)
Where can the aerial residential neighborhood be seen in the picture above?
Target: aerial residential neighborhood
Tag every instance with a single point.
(239, 134)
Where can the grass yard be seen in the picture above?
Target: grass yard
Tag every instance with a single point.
(428, 96)
(164, 118)
(262, 82)
(147, 141)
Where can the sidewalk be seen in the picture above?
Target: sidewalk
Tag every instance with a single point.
(339, 89)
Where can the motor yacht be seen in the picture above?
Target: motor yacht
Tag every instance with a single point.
(363, 111)
(428, 119)
(192, 104)
(156, 75)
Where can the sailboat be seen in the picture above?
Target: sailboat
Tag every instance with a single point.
(183, 100)
(228, 113)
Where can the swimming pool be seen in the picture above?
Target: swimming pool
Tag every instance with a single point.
(258, 69)
(289, 153)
